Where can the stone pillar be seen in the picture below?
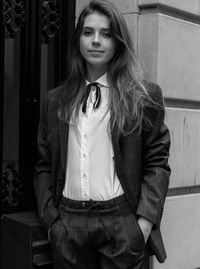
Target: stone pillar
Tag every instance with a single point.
(169, 49)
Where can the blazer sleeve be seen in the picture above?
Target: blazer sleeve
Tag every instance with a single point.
(42, 177)
(155, 153)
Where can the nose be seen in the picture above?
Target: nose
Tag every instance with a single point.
(96, 40)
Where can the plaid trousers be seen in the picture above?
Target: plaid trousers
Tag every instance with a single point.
(97, 235)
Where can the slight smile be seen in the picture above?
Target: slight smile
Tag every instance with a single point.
(96, 51)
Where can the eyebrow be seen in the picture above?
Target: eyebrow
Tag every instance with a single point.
(91, 28)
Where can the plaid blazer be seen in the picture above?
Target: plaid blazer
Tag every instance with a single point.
(141, 163)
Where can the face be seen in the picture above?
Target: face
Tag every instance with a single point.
(96, 42)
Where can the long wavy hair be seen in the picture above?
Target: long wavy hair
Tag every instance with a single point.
(127, 93)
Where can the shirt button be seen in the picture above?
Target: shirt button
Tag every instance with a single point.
(84, 155)
(84, 175)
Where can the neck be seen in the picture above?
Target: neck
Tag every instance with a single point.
(94, 73)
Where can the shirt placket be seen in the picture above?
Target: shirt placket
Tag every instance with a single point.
(85, 151)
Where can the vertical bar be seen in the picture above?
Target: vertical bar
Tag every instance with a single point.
(2, 34)
(29, 98)
(67, 24)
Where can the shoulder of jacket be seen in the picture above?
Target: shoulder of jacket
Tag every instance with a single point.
(153, 90)
(53, 94)
(151, 86)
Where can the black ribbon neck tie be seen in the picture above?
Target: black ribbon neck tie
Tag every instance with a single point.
(87, 93)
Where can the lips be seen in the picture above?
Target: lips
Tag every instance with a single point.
(95, 51)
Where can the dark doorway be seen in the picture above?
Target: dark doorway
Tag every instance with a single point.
(32, 54)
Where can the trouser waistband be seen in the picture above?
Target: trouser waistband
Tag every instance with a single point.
(92, 204)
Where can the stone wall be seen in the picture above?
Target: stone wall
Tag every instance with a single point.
(169, 47)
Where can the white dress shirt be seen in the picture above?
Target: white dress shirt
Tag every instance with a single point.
(90, 172)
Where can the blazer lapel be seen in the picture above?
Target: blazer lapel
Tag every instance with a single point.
(116, 149)
(63, 131)
(120, 169)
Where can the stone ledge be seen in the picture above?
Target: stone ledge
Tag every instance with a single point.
(192, 6)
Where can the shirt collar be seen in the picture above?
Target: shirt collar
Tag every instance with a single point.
(102, 80)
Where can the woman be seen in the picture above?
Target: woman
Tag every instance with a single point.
(103, 173)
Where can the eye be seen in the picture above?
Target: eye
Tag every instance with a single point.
(87, 32)
(106, 34)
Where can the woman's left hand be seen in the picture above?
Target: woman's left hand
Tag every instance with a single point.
(145, 226)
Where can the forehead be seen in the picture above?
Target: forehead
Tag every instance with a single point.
(96, 19)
